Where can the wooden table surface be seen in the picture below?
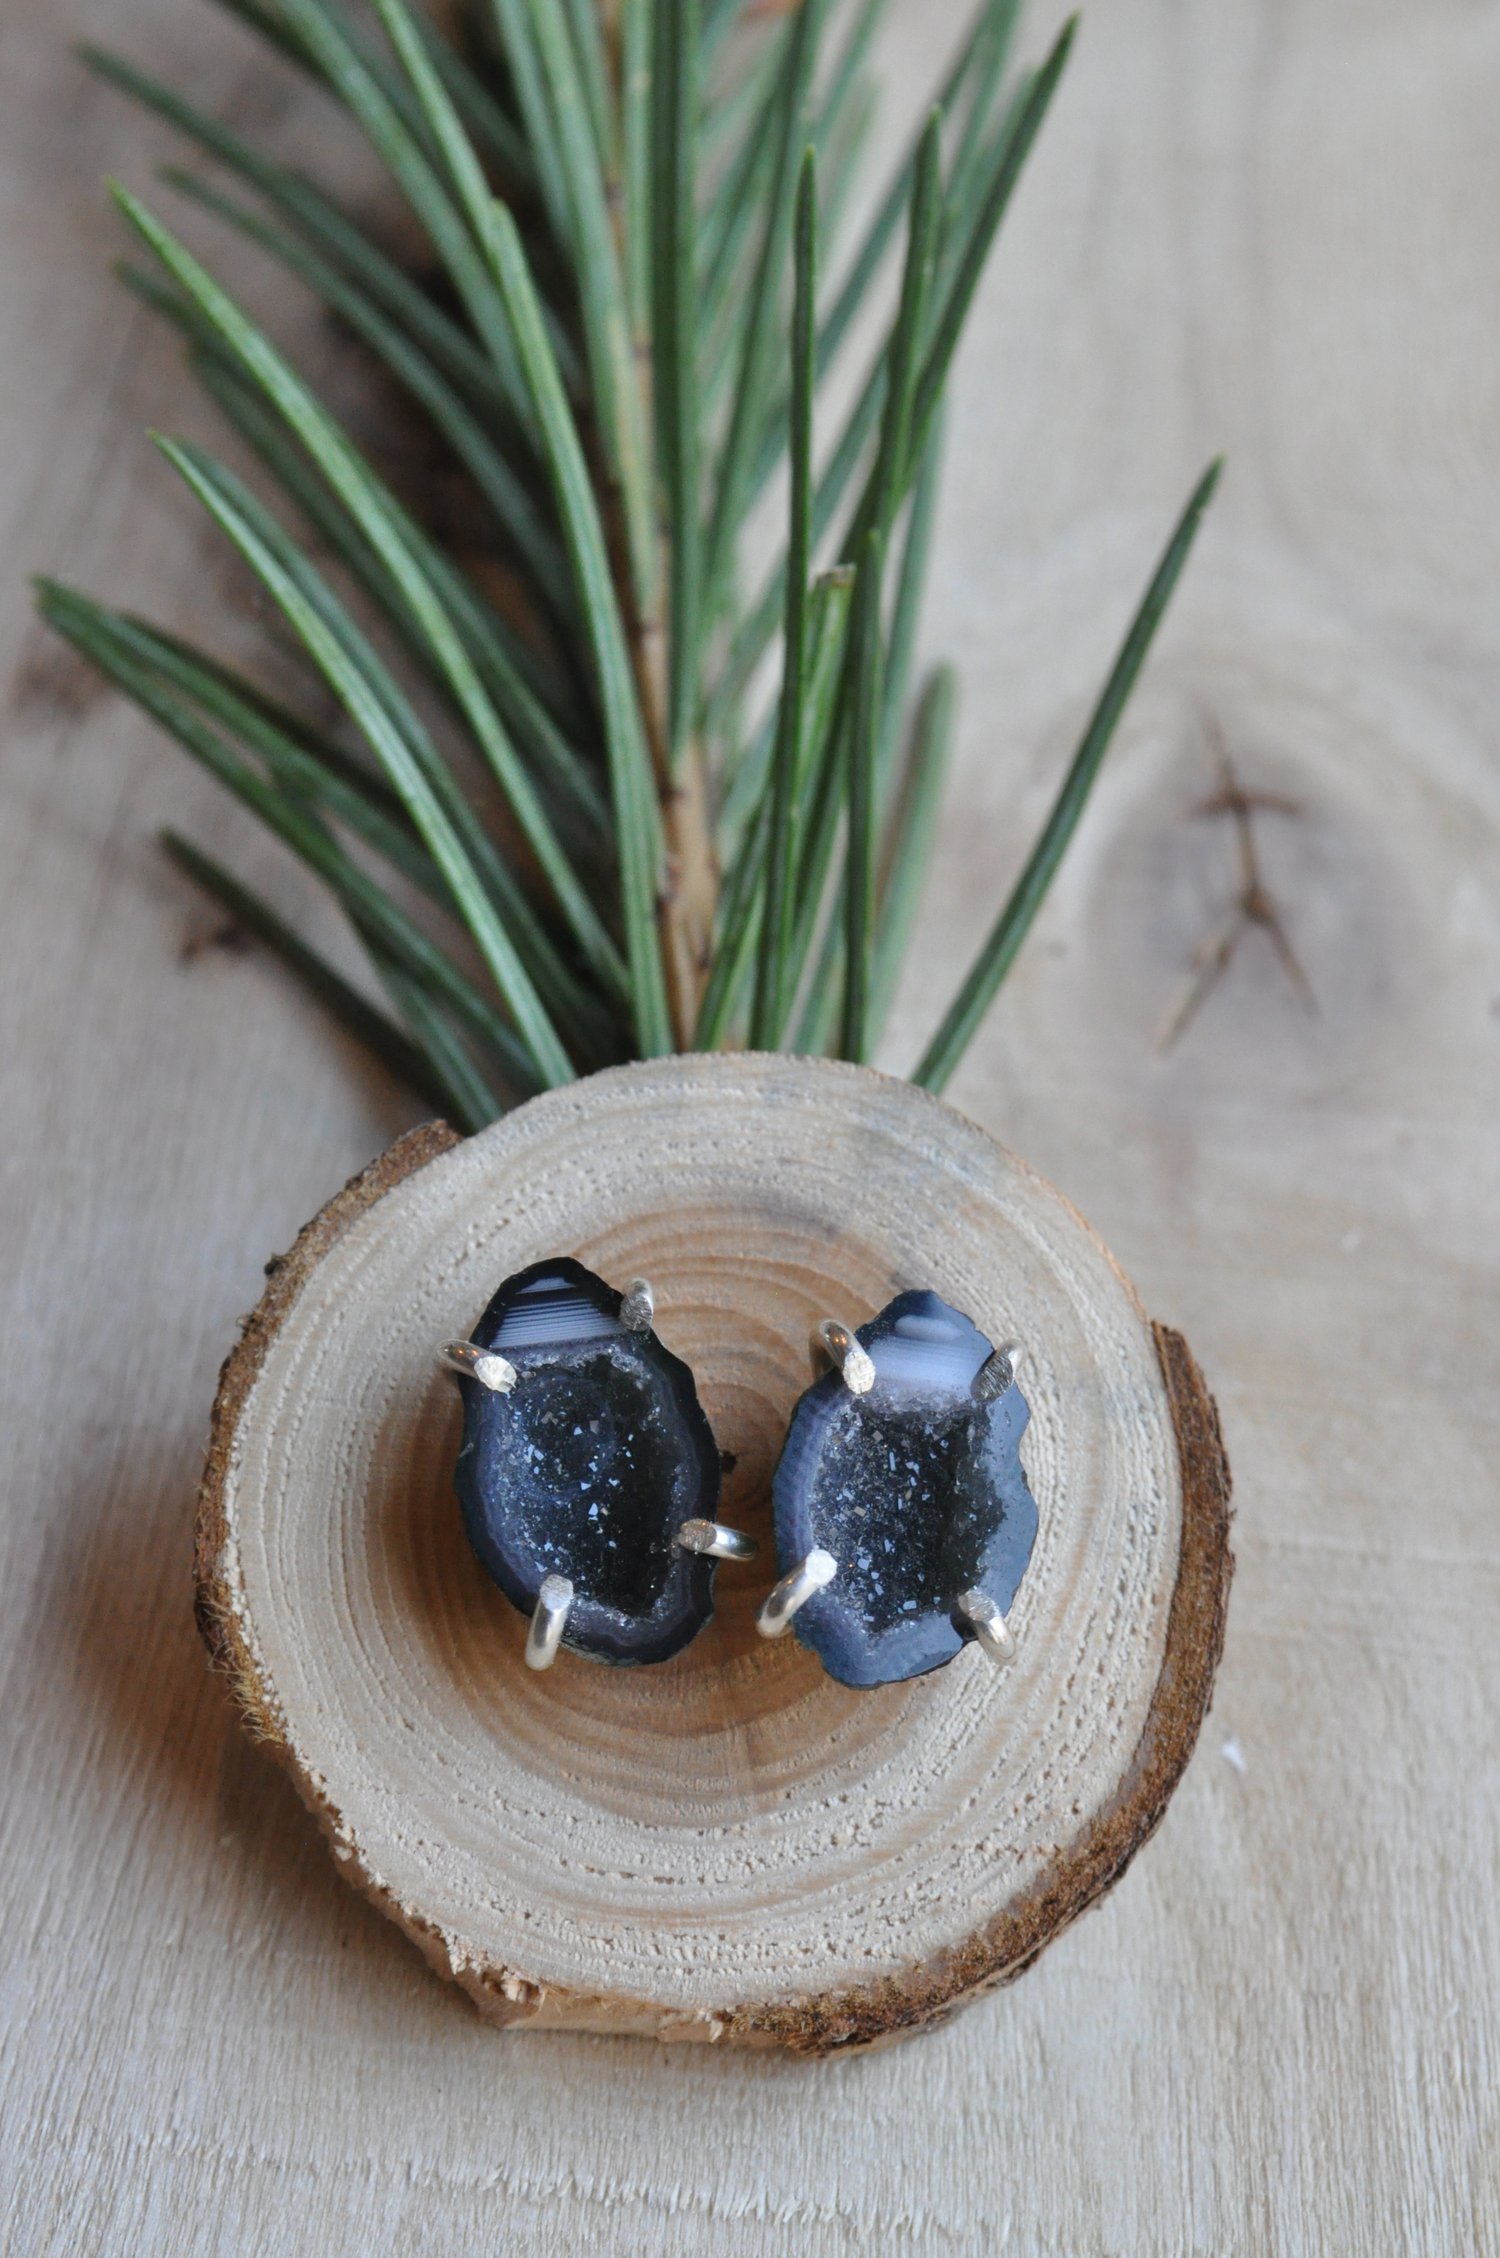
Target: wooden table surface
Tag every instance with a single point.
(1269, 228)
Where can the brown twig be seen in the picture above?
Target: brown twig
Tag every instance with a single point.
(689, 895)
(688, 900)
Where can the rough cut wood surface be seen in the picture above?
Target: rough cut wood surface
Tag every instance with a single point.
(730, 1846)
(1262, 227)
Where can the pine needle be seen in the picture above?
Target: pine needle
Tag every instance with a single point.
(776, 916)
(1011, 927)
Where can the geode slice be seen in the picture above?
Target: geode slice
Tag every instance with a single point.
(589, 1466)
(916, 1489)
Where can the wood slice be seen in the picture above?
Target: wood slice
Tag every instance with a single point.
(730, 1845)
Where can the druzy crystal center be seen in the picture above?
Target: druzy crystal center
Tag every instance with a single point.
(586, 1468)
(902, 1504)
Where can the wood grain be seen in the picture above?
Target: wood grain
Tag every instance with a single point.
(1263, 228)
(730, 1846)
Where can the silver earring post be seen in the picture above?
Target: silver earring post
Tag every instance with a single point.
(783, 1600)
(996, 1373)
(549, 1621)
(833, 1343)
(494, 1372)
(716, 1540)
(979, 1612)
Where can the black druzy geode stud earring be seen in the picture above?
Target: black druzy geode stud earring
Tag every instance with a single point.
(588, 1476)
(904, 1523)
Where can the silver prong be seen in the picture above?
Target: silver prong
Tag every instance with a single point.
(717, 1540)
(639, 1306)
(833, 1343)
(996, 1373)
(494, 1372)
(783, 1600)
(984, 1619)
(548, 1622)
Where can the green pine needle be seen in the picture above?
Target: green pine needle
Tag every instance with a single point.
(862, 736)
(637, 820)
(1011, 927)
(776, 911)
(674, 255)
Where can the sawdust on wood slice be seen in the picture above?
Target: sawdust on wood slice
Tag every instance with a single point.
(730, 1845)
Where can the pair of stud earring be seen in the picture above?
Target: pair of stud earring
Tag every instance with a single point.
(589, 1478)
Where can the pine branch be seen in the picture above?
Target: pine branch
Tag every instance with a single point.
(620, 330)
